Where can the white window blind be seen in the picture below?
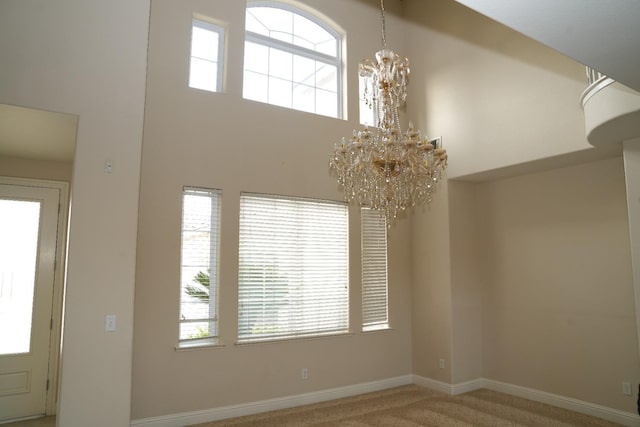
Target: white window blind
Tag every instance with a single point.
(375, 311)
(207, 47)
(199, 266)
(294, 268)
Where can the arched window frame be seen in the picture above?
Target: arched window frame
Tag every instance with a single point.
(335, 61)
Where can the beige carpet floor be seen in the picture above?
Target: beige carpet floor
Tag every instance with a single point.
(410, 406)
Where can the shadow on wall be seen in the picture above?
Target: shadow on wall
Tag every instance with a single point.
(456, 20)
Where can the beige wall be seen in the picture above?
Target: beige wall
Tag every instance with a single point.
(559, 313)
(88, 58)
(36, 169)
(453, 280)
(524, 280)
(431, 296)
(219, 140)
(492, 252)
(468, 281)
(498, 98)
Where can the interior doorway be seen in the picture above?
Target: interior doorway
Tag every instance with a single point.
(37, 151)
(32, 241)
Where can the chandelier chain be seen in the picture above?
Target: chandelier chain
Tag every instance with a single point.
(384, 26)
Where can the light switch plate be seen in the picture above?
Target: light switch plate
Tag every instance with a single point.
(110, 322)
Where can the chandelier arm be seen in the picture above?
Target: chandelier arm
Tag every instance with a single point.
(396, 117)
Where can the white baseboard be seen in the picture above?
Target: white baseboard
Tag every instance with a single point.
(432, 384)
(215, 414)
(610, 414)
(468, 386)
(446, 388)
(614, 415)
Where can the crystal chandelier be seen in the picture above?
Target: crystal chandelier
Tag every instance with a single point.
(382, 167)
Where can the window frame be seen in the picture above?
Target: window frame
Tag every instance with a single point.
(293, 49)
(209, 26)
(294, 332)
(214, 267)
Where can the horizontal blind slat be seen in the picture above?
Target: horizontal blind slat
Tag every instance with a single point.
(293, 278)
(374, 269)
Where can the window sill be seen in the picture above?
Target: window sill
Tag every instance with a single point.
(377, 329)
(200, 345)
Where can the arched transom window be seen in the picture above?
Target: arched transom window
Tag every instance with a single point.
(291, 59)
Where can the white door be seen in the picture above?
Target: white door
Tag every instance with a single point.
(28, 234)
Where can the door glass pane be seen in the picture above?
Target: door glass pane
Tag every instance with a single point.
(19, 224)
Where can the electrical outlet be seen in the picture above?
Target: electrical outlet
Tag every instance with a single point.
(626, 389)
(304, 374)
(441, 364)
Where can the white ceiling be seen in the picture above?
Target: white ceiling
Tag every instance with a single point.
(37, 134)
(603, 34)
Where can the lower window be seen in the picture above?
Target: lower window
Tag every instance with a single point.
(199, 266)
(293, 268)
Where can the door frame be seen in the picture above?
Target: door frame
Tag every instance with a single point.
(55, 339)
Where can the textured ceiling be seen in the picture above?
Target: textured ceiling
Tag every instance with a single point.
(603, 34)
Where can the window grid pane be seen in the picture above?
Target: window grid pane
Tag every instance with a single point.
(204, 43)
(255, 86)
(199, 264)
(304, 70)
(293, 273)
(203, 75)
(374, 271)
(280, 92)
(256, 58)
(206, 56)
(304, 98)
(326, 103)
(326, 77)
(280, 64)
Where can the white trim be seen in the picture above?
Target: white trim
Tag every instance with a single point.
(594, 88)
(58, 296)
(432, 384)
(450, 389)
(610, 414)
(231, 411)
(468, 386)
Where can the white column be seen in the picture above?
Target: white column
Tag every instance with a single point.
(631, 153)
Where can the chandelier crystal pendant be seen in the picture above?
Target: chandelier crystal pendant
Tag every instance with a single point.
(382, 167)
